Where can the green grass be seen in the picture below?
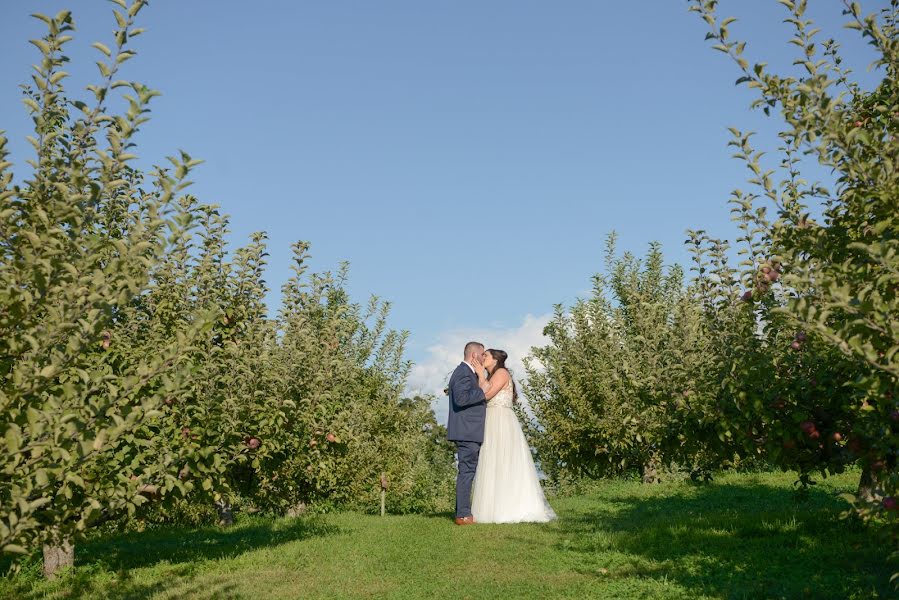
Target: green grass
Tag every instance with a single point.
(743, 536)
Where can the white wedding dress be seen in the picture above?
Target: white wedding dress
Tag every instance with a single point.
(506, 486)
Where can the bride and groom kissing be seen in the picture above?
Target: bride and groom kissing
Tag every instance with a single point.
(497, 481)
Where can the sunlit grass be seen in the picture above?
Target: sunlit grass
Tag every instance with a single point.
(744, 536)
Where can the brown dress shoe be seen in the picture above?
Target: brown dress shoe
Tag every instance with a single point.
(464, 520)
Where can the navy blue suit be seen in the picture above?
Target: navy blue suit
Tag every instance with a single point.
(465, 426)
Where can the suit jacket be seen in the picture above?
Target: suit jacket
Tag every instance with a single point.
(467, 407)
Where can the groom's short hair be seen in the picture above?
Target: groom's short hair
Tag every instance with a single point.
(472, 346)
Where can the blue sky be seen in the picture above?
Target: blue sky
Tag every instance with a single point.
(467, 158)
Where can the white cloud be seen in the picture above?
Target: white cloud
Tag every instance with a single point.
(431, 375)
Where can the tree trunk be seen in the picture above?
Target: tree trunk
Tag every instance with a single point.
(650, 471)
(867, 486)
(57, 556)
(226, 517)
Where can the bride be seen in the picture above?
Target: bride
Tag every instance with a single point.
(506, 486)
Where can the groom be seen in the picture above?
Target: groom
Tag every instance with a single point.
(465, 425)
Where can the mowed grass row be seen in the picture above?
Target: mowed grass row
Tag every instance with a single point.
(743, 536)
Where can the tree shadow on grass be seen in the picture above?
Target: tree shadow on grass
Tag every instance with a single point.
(444, 515)
(104, 567)
(179, 583)
(176, 545)
(732, 541)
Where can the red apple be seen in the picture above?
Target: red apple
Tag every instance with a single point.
(889, 503)
(185, 432)
(331, 438)
(254, 443)
(807, 426)
(836, 436)
(747, 296)
(795, 345)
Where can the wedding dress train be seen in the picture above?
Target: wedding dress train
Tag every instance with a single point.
(506, 486)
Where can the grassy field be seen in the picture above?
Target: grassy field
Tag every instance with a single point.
(743, 536)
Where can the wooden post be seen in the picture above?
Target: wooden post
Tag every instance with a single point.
(383, 493)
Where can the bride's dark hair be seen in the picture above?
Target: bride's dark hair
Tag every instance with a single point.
(500, 357)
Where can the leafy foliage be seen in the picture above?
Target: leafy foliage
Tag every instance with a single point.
(840, 272)
(138, 360)
(79, 239)
(625, 382)
(798, 344)
(342, 373)
(801, 338)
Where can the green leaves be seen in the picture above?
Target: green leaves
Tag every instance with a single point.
(13, 438)
(624, 375)
(102, 48)
(82, 236)
(827, 325)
